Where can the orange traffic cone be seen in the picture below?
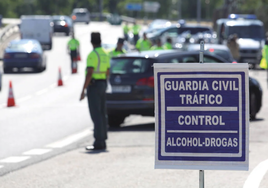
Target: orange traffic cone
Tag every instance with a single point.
(60, 83)
(10, 100)
(74, 67)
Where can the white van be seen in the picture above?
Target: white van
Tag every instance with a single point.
(39, 28)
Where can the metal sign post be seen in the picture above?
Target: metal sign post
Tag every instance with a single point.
(201, 61)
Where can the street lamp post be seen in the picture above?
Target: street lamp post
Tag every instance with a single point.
(198, 11)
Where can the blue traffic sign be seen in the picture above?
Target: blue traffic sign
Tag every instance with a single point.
(134, 6)
(202, 116)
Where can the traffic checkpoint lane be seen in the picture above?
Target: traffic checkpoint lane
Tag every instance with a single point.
(38, 93)
(13, 163)
(133, 161)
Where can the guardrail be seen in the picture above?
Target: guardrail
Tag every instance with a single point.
(5, 33)
(8, 31)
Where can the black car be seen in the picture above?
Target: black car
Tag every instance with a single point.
(132, 82)
(63, 24)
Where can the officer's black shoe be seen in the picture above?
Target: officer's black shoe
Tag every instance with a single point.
(95, 148)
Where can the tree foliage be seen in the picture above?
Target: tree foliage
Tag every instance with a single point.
(168, 10)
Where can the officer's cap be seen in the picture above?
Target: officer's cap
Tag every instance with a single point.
(95, 38)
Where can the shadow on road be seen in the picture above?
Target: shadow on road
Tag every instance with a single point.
(95, 152)
(256, 120)
(139, 127)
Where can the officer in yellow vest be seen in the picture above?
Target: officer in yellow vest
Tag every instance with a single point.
(144, 43)
(126, 30)
(168, 44)
(119, 48)
(73, 47)
(136, 30)
(158, 45)
(97, 72)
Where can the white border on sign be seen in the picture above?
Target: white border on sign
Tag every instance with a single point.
(163, 119)
(201, 165)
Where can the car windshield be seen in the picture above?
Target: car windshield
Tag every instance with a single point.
(130, 65)
(252, 31)
(194, 30)
(29, 46)
(159, 24)
(80, 13)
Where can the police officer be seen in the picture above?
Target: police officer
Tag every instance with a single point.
(73, 47)
(119, 48)
(158, 45)
(98, 65)
(136, 31)
(168, 44)
(144, 43)
(126, 30)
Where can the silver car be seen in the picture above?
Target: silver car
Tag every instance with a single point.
(81, 15)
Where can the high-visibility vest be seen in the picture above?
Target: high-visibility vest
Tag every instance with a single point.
(100, 61)
(73, 44)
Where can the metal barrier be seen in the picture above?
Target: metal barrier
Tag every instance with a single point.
(5, 33)
(8, 31)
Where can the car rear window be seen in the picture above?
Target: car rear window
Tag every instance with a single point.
(224, 54)
(130, 65)
(80, 13)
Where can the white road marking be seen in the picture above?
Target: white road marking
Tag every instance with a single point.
(70, 139)
(25, 98)
(255, 177)
(65, 78)
(52, 86)
(37, 151)
(14, 159)
(41, 91)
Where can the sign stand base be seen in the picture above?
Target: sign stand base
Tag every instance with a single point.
(201, 179)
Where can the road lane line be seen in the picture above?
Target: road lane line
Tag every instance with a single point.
(70, 139)
(14, 159)
(65, 78)
(52, 86)
(41, 92)
(25, 98)
(255, 177)
(37, 151)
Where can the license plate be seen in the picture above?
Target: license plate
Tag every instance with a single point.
(20, 55)
(121, 89)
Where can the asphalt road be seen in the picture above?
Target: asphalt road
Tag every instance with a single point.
(49, 120)
(44, 112)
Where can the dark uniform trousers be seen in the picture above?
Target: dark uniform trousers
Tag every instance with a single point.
(96, 95)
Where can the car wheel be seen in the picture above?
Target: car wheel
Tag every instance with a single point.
(115, 120)
(253, 108)
(87, 23)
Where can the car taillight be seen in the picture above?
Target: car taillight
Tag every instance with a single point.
(66, 25)
(146, 82)
(7, 56)
(34, 56)
(234, 62)
(74, 17)
(211, 50)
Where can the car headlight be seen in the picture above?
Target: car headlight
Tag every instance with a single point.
(178, 45)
